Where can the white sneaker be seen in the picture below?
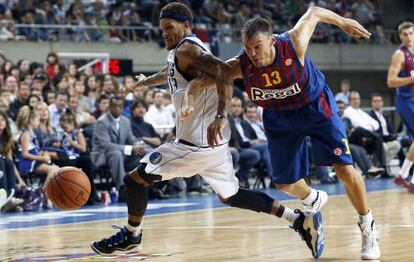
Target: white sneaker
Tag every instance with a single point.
(370, 249)
(318, 203)
(4, 198)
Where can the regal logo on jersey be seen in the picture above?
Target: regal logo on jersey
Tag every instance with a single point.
(266, 94)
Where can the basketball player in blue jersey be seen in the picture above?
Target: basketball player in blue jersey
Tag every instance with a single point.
(401, 77)
(190, 154)
(297, 103)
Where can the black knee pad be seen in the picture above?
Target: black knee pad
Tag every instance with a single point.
(252, 200)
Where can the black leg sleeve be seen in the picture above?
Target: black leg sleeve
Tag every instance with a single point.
(252, 200)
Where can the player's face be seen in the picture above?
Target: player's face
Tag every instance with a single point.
(172, 32)
(377, 103)
(407, 36)
(260, 49)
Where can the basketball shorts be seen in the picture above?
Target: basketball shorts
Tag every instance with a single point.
(175, 159)
(405, 107)
(290, 132)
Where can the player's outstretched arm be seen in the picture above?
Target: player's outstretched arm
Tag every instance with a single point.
(304, 28)
(393, 80)
(156, 79)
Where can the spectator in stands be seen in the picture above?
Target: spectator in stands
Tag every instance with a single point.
(9, 171)
(91, 93)
(140, 128)
(386, 128)
(365, 130)
(52, 65)
(4, 108)
(24, 67)
(252, 116)
(79, 92)
(11, 85)
(50, 97)
(159, 116)
(58, 108)
(73, 17)
(72, 74)
(84, 119)
(73, 145)
(110, 86)
(41, 82)
(247, 136)
(103, 106)
(113, 143)
(23, 94)
(33, 101)
(31, 158)
(149, 97)
(45, 132)
(345, 91)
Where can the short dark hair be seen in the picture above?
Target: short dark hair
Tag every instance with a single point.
(179, 8)
(256, 25)
(405, 25)
(115, 98)
(139, 102)
(375, 94)
(103, 97)
(62, 93)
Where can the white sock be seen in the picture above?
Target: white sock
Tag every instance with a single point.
(405, 169)
(307, 201)
(289, 215)
(365, 220)
(135, 230)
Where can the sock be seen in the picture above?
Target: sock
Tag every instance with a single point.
(308, 201)
(133, 227)
(365, 220)
(405, 169)
(289, 215)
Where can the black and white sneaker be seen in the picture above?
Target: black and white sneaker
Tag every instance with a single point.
(309, 227)
(124, 240)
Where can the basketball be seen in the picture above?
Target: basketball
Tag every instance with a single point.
(69, 188)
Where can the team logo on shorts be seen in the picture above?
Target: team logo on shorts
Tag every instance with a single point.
(338, 151)
(288, 62)
(155, 158)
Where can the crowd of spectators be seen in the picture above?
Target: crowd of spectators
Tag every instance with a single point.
(226, 16)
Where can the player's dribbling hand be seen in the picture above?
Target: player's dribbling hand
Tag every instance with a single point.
(214, 131)
(186, 112)
(355, 29)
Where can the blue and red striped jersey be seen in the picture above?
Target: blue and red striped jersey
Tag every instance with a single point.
(408, 70)
(285, 84)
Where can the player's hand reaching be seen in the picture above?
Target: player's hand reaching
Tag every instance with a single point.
(215, 131)
(354, 29)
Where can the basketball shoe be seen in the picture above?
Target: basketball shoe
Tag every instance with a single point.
(309, 227)
(122, 241)
(398, 180)
(370, 249)
(318, 203)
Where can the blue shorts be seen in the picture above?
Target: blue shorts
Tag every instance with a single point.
(287, 133)
(405, 107)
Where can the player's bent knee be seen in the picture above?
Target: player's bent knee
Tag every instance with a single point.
(346, 173)
(148, 179)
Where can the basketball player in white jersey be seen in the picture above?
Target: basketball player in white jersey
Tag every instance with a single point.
(190, 154)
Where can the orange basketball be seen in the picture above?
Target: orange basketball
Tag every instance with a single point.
(69, 188)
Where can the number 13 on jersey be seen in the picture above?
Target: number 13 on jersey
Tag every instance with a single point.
(172, 82)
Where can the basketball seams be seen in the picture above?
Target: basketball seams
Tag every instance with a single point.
(64, 206)
(71, 181)
(63, 192)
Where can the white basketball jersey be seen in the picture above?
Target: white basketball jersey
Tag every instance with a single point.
(194, 128)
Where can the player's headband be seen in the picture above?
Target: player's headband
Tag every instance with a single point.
(176, 16)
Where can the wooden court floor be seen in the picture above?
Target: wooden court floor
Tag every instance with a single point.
(226, 234)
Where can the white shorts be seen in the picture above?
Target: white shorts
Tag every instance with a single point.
(215, 165)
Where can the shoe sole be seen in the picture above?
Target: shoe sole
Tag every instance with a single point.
(116, 250)
(317, 223)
